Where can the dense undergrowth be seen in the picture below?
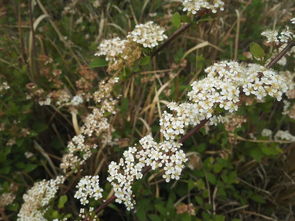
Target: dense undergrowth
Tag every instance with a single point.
(66, 112)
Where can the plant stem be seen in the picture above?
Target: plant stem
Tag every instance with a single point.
(281, 54)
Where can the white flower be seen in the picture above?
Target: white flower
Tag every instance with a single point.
(266, 132)
(111, 48)
(37, 199)
(284, 135)
(292, 20)
(148, 35)
(76, 100)
(273, 36)
(88, 187)
(193, 6)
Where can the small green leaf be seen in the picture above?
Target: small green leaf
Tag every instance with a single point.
(62, 200)
(176, 20)
(219, 218)
(256, 50)
(98, 62)
(145, 60)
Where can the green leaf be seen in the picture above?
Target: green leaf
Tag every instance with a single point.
(154, 217)
(271, 150)
(62, 200)
(145, 60)
(98, 62)
(219, 218)
(211, 178)
(176, 20)
(30, 167)
(256, 50)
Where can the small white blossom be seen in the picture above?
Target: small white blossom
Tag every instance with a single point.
(193, 6)
(266, 132)
(37, 199)
(274, 36)
(111, 48)
(88, 187)
(284, 135)
(148, 35)
(76, 100)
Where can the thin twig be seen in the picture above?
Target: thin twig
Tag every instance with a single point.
(193, 131)
(281, 54)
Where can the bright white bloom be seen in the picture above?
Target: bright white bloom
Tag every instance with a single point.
(111, 48)
(292, 20)
(148, 35)
(88, 187)
(123, 174)
(284, 135)
(221, 88)
(37, 198)
(166, 155)
(76, 100)
(266, 132)
(286, 35)
(273, 36)
(261, 81)
(193, 6)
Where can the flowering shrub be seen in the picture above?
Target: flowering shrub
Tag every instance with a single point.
(178, 110)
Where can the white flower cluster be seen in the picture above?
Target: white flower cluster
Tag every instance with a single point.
(95, 123)
(193, 6)
(77, 100)
(292, 20)
(148, 35)
(166, 155)
(37, 198)
(276, 37)
(266, 133)
(221, 88)
(123, 174)
(88, 187)
(79, 149)
(261, 81)
(111, 48)
(284, 135)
